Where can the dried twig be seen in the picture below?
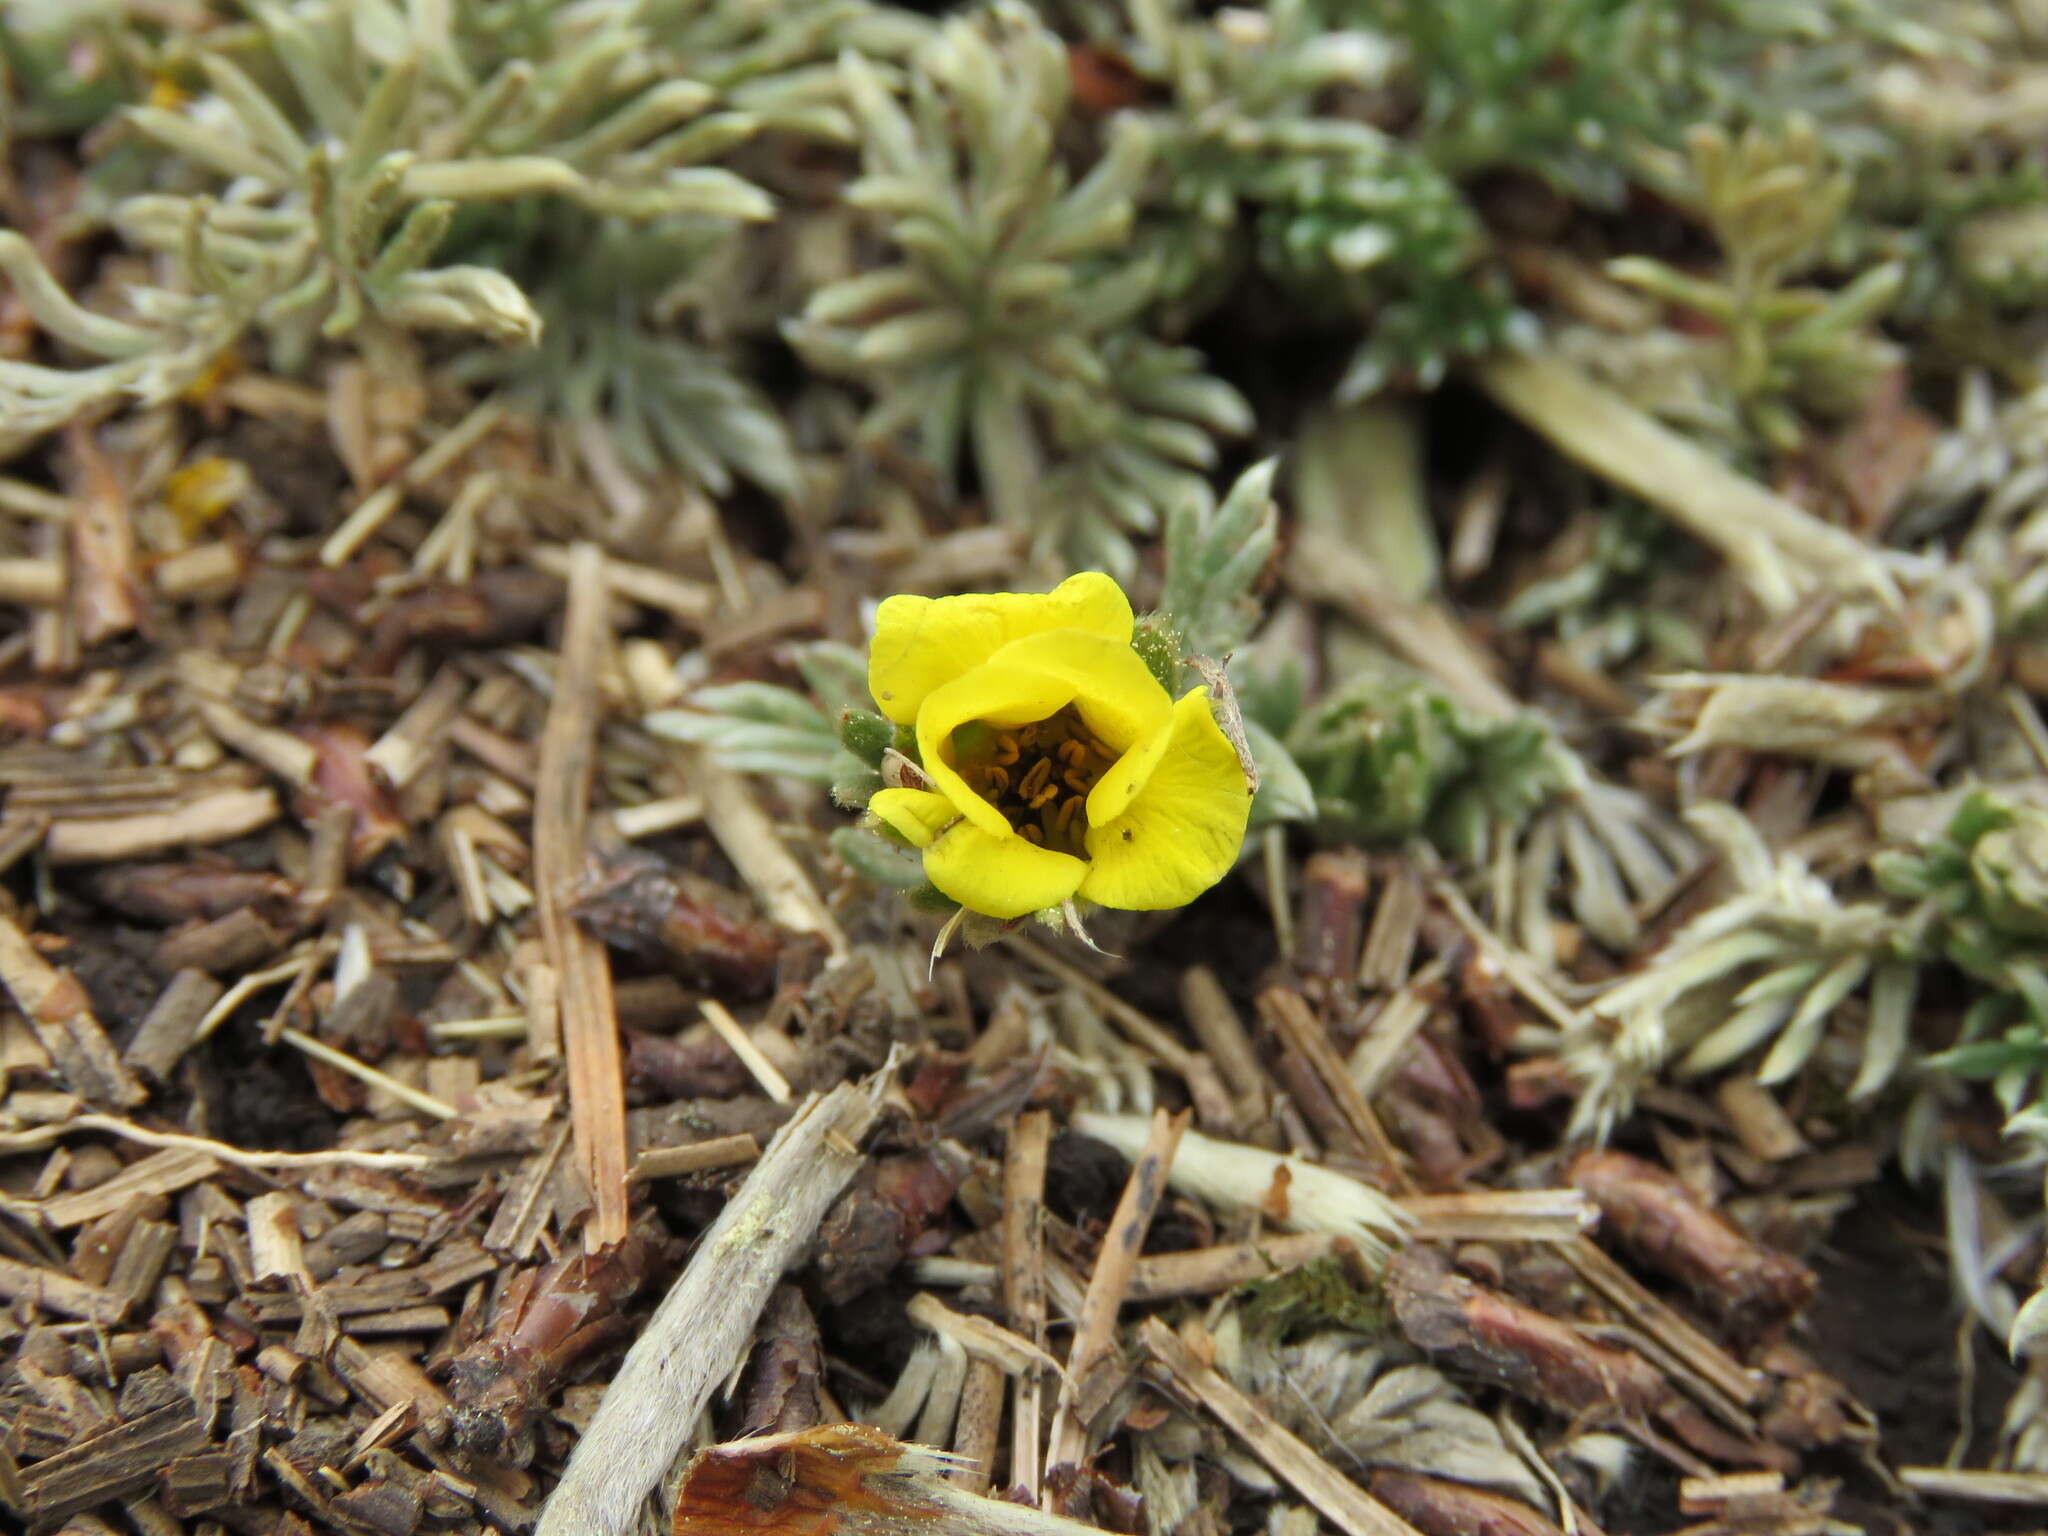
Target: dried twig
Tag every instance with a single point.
(1024, 1281)
(590, 1033)
(697, 1334)
(1091, 1373)
(1187, 1360)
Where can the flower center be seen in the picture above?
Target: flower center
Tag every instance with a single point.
(1037, 775)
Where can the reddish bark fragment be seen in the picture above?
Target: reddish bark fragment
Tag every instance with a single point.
(1665, 1225)
(1530, 1353)
(549, 1319)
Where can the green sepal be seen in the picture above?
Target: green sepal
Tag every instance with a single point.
(866, 735)
(929, 898)
(852, 790)
(1158, 645)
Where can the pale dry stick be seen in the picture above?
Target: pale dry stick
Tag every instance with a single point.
(163, 1172)
(316, 956)
(244, 989)
(1781, 551)
(1986, 1487)
(1144, 1032)
(282, 753)
(1023, 1238)
(978, 1425)
(216, 817)
(20, 499)
(697, 1157)
(1243, 1179)
(401, 752)
(31, 583)
(1383, 1047)
(1188, 1362)
(689, 601)
(203, 571)
(589, 1022)
(632, 822)
(276, 1249)
(703, 1326)
(363, 1072)
(1206, 1271)
(56, 1292)
(749, 839)
(1223, 1035)
(1501, 1216)
(376, 509)
(1011, 1353)
(727, 1028)
(258, 1162)
(52, 637)
(1289, 1013)
(543, 1012)
(1091, 1358)
(1516, 968)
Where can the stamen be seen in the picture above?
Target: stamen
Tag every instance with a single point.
(1038, 776)
(1035, 780)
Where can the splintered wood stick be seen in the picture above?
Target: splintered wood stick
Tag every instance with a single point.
(1188, 1362)
(1205, 1271)
(561, 821)
(60, 1013)
(1092, 1360)
(704, 1324)
(1296, 1023)
(749, 839)
(1228, 1043)
(1023, 1235)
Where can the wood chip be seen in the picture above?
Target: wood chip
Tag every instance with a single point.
(61, 1015)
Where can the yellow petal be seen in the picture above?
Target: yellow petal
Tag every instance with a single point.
(1000, 876)
(1184, 829)
(1109, 683)
(1003, 696)
(918, 814)
(921, 642)
(1121, 781)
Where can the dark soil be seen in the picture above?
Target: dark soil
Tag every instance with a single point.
(1886, 1325)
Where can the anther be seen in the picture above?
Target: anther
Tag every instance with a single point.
(1036, 779)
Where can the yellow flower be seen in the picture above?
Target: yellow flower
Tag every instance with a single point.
(1058, 766)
